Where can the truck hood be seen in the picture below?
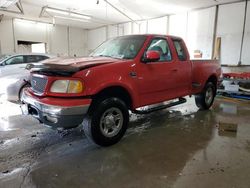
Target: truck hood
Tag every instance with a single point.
(69, 66)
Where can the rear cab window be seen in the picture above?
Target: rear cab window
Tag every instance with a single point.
(180, 49)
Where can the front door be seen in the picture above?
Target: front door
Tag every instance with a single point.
(156, 80)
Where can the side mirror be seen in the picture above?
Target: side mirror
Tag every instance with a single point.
(2, 64)
(152, 56)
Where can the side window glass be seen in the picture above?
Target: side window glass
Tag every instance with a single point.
(15, 60)
(180, 50)
(31, 58)
(161, 46)
(40, 58)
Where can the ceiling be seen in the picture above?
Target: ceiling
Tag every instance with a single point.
(111, 12)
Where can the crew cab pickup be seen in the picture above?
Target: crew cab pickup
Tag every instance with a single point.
(124, 73)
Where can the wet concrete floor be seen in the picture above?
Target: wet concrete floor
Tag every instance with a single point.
(177, 147)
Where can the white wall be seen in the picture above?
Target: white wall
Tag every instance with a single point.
(196, 28)
(200, 31)
(135, 28)
(120, 29)
(178, 25)
(61, 40)
(246, 44)
(112, 31)
(6, 37)
(230, 28)
(128, 30)
(29, 31)
(96, 37)
(77, 42)
(58, 36)
(99, 35)
(143, 27)
(158, 26)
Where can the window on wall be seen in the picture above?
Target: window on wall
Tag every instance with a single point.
(31, 47)
(38, 48)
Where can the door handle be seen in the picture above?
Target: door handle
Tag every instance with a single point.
(174, 70)
(133, 74)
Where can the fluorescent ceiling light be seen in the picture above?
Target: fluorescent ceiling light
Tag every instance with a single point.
(69, 18)
(57, 11)
(67, 13)
(7, 3)
(25, 21)
(80, 16)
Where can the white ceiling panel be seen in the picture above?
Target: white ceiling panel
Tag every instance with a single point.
(102, 13)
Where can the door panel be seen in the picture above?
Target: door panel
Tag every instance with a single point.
(156, 79)
(155, 82)
(13, 65)
(184, 66)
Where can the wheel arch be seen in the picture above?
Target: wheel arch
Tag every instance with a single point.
(24, 84)
(115, 91)
(213, 78)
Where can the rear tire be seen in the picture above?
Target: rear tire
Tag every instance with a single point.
(205, 99)
(107, 122)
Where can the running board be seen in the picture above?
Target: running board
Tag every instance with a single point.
(181, 101)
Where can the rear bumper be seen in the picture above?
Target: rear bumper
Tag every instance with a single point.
(56, 112)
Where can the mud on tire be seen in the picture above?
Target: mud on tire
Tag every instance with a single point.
(107, 122)
(205, 99)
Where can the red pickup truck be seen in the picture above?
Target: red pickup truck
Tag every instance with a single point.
(122, 74)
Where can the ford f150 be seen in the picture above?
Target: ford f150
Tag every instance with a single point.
(122, 74)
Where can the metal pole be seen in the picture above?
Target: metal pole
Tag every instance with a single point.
(215, 29)
(243, 34)
(117, 9)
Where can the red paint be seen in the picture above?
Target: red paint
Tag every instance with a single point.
(59, 101)
(152, 55)
(154, 82)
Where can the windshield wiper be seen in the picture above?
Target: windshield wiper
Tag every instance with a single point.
(108, 56)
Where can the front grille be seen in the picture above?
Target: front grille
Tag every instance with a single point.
(38, 84)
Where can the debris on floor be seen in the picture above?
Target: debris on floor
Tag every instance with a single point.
(235, 85)
(227, 129)
(231, 127)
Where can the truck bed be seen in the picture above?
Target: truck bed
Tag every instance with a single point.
(202, 70)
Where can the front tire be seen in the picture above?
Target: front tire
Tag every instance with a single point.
(205, 99)
(106, 122)
(21, 91)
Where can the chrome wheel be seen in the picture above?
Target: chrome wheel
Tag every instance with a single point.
(209, 95)
(111, 122)
(21, 93)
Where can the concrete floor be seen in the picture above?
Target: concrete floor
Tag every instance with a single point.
(178, 147)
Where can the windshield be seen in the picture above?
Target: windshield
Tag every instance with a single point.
(4, 56)
(122, 47)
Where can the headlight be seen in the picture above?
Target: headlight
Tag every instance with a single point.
(67, 86)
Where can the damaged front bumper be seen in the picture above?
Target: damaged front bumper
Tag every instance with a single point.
(55, 112)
